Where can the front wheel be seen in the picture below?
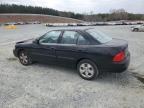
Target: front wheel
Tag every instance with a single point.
(136, 30)
(24, 58)
(87, 69)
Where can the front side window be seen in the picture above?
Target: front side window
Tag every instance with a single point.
(50, 37)
(69, 37)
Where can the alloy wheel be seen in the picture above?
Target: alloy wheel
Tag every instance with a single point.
(86, 70)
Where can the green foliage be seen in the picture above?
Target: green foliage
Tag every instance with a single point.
(114, 15)
(6, 8)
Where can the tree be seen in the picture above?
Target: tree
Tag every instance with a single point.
(115, 14)
(119, 14)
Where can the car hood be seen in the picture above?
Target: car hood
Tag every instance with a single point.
(28, 41)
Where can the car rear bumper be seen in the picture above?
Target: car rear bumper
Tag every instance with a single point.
(117, 67)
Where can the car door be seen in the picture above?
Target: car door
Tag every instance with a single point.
(45, 49)
(68, 51)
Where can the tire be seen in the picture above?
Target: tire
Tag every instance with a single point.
(24, 58)
(136, 30)
(87, 69)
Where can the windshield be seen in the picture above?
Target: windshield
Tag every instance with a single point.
(99, 36)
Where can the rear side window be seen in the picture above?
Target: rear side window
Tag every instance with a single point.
(99, 36)
(82, 41)
(69, 37)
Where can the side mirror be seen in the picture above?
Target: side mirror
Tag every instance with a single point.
(36, 41)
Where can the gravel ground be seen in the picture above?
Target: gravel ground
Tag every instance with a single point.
(49, 86)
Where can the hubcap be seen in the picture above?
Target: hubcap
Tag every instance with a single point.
(23, 58)
(86, 70)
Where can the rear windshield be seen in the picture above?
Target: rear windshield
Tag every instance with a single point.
(99, 36)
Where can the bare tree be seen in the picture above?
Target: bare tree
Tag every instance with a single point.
(119, 14)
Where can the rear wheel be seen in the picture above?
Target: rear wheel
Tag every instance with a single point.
(24, 58)
(87, 69)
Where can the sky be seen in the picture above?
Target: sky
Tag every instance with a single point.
(85, 6)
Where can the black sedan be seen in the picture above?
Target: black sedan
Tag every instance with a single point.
(89, 50)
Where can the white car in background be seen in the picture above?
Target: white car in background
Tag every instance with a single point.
(138, 28)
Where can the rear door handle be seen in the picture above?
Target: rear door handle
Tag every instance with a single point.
(81, 50)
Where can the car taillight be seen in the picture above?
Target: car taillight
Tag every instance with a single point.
(119, 57)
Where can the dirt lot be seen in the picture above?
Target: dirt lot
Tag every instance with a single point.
(36, 17)
(49, 86)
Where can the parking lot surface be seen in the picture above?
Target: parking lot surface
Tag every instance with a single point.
(50, 86)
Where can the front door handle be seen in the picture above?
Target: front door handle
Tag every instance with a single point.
(52, 48)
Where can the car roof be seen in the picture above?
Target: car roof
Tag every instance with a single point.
(73, 29)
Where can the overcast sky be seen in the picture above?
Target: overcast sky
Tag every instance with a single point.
(84, 6)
